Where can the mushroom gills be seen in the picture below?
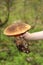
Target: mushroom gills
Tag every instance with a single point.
(22, 45)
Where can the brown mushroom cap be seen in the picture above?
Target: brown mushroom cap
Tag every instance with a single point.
(16, 29)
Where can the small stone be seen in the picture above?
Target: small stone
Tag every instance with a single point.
(29, 59)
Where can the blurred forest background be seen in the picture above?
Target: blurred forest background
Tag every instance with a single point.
(31, 11)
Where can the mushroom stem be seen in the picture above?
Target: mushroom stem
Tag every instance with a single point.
(21, 44)
(33, 36)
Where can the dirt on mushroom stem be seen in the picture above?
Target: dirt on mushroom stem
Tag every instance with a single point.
(22, 44)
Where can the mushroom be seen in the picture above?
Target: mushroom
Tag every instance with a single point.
(17, 30)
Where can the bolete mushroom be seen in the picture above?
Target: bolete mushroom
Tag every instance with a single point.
(16, 30)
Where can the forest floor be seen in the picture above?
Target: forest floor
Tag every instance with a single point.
(9, 54)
